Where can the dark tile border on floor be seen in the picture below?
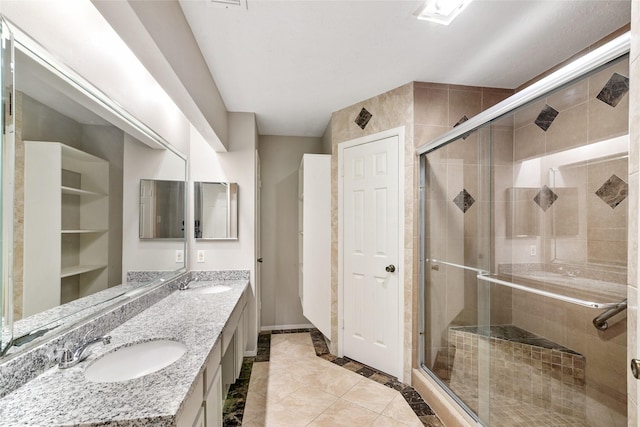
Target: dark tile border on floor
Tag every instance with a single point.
(233, 409)
(236, 398)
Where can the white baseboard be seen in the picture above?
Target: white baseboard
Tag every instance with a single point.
(286, 327)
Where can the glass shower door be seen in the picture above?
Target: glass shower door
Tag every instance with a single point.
(525, 249)
(457, 247)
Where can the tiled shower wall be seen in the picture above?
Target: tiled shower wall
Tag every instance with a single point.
(634, 189)
(426, 111)
(591, 228)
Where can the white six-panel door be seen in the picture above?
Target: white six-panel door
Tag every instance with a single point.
(370, 250)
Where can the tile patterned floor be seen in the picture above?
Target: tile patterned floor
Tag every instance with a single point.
(294, 381)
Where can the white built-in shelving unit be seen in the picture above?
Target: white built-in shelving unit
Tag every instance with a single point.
(314, 239)
(66, 218)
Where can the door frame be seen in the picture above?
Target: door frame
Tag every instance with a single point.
(399, 132)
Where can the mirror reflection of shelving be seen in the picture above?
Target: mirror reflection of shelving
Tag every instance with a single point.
(69, 242)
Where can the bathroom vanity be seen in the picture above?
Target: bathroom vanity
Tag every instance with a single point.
(207, 317)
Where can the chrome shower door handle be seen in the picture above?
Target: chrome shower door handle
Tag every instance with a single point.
(390, 268)
(635, 368)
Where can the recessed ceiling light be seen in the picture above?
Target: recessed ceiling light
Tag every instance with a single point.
(441, 11)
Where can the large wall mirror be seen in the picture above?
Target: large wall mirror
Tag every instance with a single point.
(71, 167)
(216, 210)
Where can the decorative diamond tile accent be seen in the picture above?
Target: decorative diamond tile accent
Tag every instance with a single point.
(363, 118)
(614, 90)
(613, 191)
(462, 120)
(546, 117)
(545, 198)
(464, 200)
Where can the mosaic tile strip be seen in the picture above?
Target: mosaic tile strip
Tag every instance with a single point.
(363, 118)
(545, 198)
(462, 120)
(464, 200)
(614, 90)
(549, 380)
(613, 191)
(546, 117)
(514, 334)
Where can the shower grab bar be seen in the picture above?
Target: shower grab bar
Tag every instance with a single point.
(600, 321)
(576, 301)
(464, 267)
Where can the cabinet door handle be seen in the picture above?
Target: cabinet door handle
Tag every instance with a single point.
(260, 259)
(390, 268)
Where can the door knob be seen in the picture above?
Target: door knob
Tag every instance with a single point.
(635, 368)
(390, 268)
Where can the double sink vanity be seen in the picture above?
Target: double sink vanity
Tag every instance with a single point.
(167, 366)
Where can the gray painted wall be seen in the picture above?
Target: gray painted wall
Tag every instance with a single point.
(280, 158)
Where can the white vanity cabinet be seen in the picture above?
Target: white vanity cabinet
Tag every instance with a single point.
(314, 239)
(234, 340)
(203, 407)
(66, 218)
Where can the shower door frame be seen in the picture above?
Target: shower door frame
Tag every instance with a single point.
(581, 67)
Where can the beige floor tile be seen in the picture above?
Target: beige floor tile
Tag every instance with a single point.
(300, 339)
(336, 380)
(278, 416)
(254, 407)
(297, 388)
(371, 395)
(343, 413)
(400, 410)
(307, 402)
(383, 421)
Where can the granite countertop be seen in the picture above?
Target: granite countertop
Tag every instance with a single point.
(64, 397)
(53, 317)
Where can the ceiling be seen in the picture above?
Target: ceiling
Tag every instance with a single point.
(295, 62)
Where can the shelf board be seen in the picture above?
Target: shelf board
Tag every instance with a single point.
(78, 192)
(79, 269)
(82, 231)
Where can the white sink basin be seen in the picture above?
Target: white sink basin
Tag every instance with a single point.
(134, 361)
(211, 289)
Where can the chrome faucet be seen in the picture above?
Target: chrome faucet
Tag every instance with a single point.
(69, 359)
(185, 285)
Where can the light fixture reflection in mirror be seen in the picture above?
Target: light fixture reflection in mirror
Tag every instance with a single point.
(216, 210)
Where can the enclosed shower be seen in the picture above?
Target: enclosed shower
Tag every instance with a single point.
(524, 255)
